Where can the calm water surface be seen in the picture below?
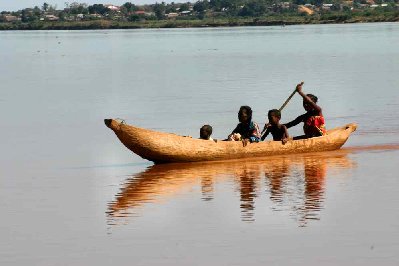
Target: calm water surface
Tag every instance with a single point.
(71, 194)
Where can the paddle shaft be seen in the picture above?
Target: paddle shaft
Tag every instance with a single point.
(289, 98)
(287, 101)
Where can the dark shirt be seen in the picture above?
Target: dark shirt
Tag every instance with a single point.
(248, 131)
(277, 131)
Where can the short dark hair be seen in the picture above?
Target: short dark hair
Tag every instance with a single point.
(246, 108)
(312, 97)
(274, 112)
(205, 131)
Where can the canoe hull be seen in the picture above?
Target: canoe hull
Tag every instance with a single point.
(161, 147)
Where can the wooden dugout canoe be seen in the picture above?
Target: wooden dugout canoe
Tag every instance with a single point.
(161, 147)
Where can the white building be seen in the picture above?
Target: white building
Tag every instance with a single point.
(172, 15)
(112, 7)
(51, 18)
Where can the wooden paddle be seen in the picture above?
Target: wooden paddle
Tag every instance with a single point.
(284, 105)
(289, 98)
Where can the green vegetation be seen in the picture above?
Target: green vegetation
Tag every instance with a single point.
(203, 13)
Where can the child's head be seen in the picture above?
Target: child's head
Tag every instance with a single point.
(274, 116)
(306, 105)
(205, 132)
(245, 114)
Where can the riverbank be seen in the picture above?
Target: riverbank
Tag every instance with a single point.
(328, 18)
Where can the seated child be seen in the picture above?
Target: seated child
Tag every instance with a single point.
(313, 120)
(206, 132)
(247, 130)
(278, 131)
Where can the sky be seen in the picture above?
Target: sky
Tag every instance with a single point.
(14, 5)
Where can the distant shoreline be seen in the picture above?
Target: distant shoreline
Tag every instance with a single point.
(197, 23)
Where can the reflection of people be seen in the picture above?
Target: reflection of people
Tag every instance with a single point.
(278, 131)
(314, 125)
(308, 203)
(247, 180)
(305, 197)
(315, 170)
(247, 130)
(206, 132)
(207, 187)
(276, 173)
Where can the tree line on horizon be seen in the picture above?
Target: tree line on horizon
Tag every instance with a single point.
(196, 10)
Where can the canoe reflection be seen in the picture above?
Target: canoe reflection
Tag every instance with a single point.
(293, 183)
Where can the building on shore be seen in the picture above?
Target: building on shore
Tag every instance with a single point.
(11, 18)
(51, 18)
(327, 6)
(185, 13)
(172, 15)
(112, 7)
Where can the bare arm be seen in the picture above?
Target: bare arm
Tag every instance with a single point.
(285, 132)
(285, 135)
(294, 122)
(307, 99)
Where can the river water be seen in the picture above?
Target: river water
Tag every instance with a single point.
(72, 194)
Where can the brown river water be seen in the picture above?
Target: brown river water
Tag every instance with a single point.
(72, 194)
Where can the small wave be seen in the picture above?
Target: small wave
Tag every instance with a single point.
(377, 147)
(378, 131)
